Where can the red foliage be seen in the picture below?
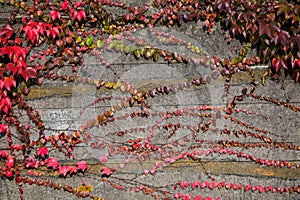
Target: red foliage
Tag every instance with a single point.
(5, 33)
(55, 15)
(43, 152)
(82, 165)
(79, 15)
(10, 161)
(28, 73)
(66, 30)
(5, 102)
(106, 171)
(53, 163)
(9, 174)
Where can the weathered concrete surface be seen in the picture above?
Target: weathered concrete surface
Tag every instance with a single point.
(58, 103)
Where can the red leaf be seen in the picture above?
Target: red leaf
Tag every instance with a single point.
(8, 82)
(55, 31)
(63, 170)
(9, 174)
(3, 128)
(82, 165)
(54, 15)
(261, 28)
(64, 5)
(155, 16)
(32, 30)
(283, 64)
(5, 103)
(268, 30)
(3, 154)
(43, 152)
(6, 30)
(198, 198)
(52, 162)
(20, 64)
(297, 61)
(19, 52)
(253, 28)
(3, 51)
(195, 184)
(274, 60)
(14, 50)
(72, 169)
(79, 15)
(265, 28)
(10, 161)
(277, 65)
(3, 40)
(233, 30)
(77, 4)
(106, 171)
(28, 73)
(18, 41)
(31, 163)
(284, 37)
(11, 67)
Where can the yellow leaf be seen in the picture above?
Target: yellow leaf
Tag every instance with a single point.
(117, 85)
(98, 198)
(85, 188)
(109, 85)
(78, 39)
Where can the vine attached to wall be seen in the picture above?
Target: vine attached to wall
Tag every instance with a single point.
(43, 38)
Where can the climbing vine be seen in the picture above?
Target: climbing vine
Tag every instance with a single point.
(47, 41)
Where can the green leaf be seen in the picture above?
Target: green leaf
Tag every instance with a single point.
(152, 52)
(143, 51)
(89, 41)
(81, 44)
(133, 48)
(92, 46)
(112, 45)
